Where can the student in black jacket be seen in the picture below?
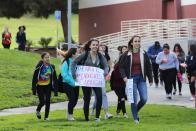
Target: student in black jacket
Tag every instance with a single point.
(135, 64)
(191, 68)
(44, 81)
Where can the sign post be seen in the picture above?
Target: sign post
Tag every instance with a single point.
(69, 8)
(57, 14)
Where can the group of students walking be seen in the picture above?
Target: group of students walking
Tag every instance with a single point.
(172, 65)
(132, 63)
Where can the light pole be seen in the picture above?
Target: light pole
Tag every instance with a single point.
(69, 13)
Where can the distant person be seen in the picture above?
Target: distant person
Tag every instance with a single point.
(121, 49)
(71, 90)
(21, 38)
(80, 49)
(43, 82)
(103, 49)
(169, 66)
(6, 38)
(191, 68)
(135, 64)
(152, 53)
(91, 57)
(181, 58)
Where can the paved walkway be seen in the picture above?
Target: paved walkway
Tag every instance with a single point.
(156, 96)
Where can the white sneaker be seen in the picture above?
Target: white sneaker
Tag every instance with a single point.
(46, 119)
(125, 115)
(108, 116)
(97, 119)
(70, 117)
(136, 122)
(192, 98)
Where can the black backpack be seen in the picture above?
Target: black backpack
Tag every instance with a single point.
(61, 84)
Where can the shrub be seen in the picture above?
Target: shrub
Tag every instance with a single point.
(44, 42)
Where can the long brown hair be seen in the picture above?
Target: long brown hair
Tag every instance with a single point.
(87, 45)
(70, 53)
(130, 46)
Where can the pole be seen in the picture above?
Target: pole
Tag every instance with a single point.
(69, 22)
(57, 31)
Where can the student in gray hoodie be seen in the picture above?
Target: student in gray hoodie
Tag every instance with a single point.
(91, 57)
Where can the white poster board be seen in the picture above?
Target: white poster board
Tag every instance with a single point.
(129, 91)
(89, 76)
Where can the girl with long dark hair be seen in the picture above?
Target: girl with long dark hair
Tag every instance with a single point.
(71, 90)
(191, 68)
(91, 57)
(181, 58)
(135, 64)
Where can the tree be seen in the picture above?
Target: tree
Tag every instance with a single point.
(39, 8)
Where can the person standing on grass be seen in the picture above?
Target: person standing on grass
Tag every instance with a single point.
(135, 64)
(43, 82)
(181, 58)
(71, 90)
(169, 66)
(21, 38)
(152, 53)
(91, 57)
(191, 68)
(6, 38)
(103, 49)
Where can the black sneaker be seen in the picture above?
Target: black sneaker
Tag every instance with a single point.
(38, 114)
(174, 92)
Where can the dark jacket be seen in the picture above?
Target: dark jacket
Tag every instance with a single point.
(21, 38)
(153, 52)
(125, 64)
(191, 64)
(53, 82)
(116, 80)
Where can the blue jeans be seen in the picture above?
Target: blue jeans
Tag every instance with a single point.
(104, 100)
(138, 84)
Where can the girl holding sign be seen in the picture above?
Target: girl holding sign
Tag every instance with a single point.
(91, 58)
(135, 66)
(71, 90)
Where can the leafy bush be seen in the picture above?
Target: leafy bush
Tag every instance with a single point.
(29, 43)
(44, 42)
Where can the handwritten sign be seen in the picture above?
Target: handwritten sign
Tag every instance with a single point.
(129, 91)
(89, 76)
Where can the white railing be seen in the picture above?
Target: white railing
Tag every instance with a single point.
(165, 31)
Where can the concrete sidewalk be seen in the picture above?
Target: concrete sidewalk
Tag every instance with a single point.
(156, 96)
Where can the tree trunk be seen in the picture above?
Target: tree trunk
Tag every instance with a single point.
(64, 23)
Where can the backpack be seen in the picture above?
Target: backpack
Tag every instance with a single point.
(85, 57)
(61, 84)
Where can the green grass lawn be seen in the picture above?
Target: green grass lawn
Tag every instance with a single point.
(153, 118)
(37, 28)
(16, 71)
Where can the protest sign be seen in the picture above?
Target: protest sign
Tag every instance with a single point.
(89, 76)
(129, 91)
